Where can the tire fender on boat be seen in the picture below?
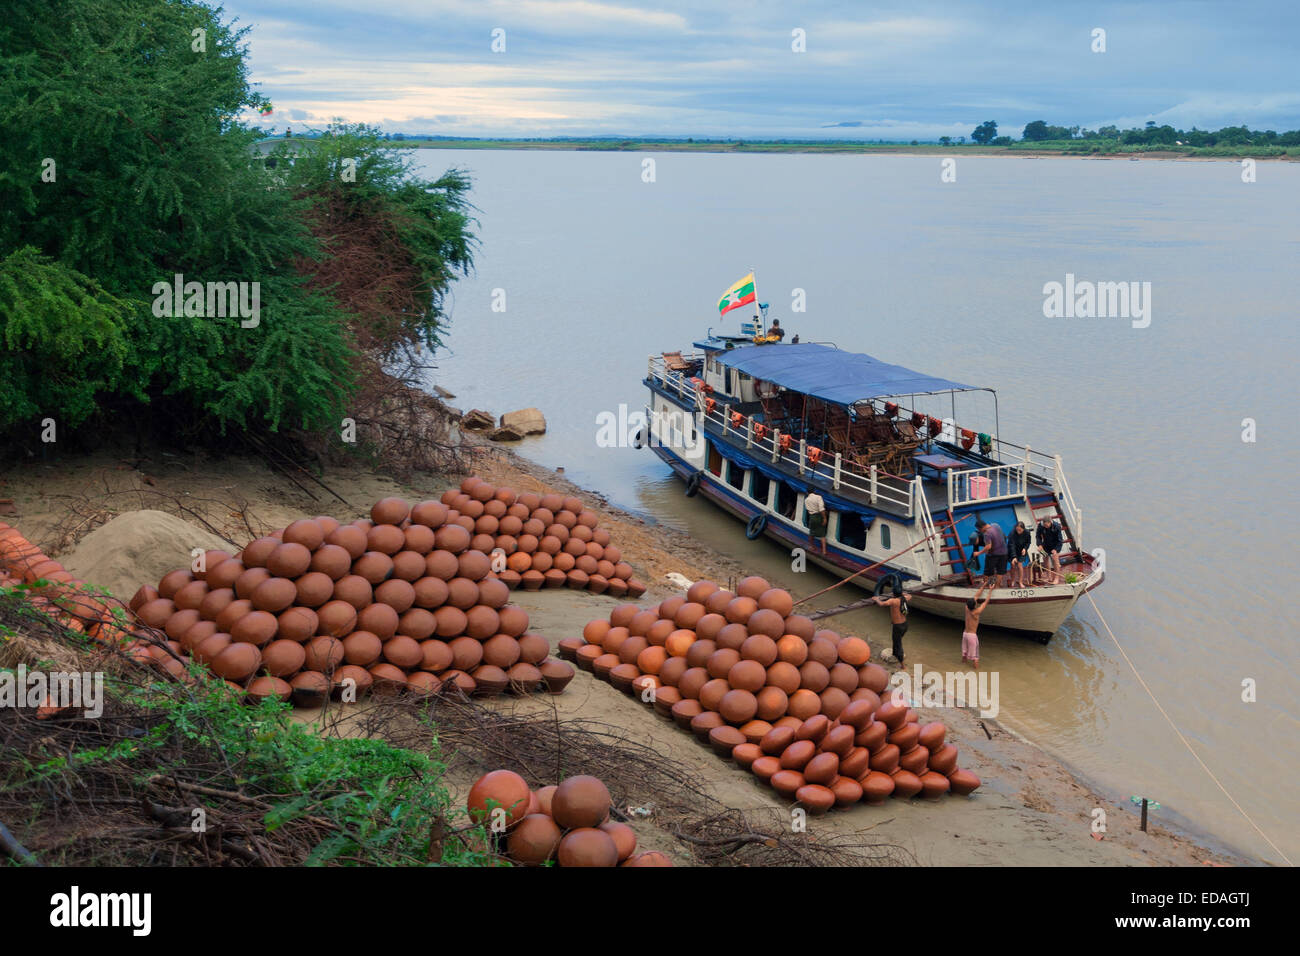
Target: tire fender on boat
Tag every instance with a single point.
(638, 440)
(693, 484)
(756, 526)
(891, 579)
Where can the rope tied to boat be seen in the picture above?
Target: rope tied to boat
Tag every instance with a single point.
(1186, 743)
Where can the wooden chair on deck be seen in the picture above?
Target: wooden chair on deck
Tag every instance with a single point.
(674, 362)
(904, 448)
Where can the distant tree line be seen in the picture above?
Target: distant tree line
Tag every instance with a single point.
(1150, 135)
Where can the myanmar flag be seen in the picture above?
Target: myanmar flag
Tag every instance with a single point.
(741, 293)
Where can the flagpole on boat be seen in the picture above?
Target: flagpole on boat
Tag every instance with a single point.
(758, 316)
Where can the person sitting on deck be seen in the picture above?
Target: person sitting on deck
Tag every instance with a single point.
(995, 546)
(775, 330)
(1048, 537)
(970, 642)
(1018, 546)
(816, 509)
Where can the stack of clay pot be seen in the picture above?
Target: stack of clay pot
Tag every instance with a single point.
(397, 602)
(540, 541)
(799, 707)
(65, 598)
(568, 824)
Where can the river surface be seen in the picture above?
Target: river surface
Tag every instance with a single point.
(589, 264)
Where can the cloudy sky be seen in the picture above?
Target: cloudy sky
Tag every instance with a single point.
(728, 68)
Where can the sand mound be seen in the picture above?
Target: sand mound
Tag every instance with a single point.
(137, 548)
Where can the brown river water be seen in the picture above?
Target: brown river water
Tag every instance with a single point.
(590, 262)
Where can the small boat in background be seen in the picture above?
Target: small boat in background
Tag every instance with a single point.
(756, 425)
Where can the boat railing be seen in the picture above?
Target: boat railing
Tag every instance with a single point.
(994, 483)
(1065, 498)
(875, 484)
(1038, 465)
(933, 548)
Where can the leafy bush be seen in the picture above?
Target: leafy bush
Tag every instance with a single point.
(123, 163)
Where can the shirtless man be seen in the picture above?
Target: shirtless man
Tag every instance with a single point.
(897, 615)
(970, 644)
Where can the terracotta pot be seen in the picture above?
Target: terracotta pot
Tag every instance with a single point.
(798, 754)
(787, 782)
(822, 769)
(944, 760)
(885, 759)
(724, 740)
(556, 675)
(684, 711)
(963, 782)
(876, 787)
(665, 699)
(932, 735)
(847, 791)
(915, 760)
(934, 785)
(704, 723)
(905, 737)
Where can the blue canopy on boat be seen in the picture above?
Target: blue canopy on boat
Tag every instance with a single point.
(832, 374)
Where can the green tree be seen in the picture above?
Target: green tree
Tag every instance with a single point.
(985, 133)
(123, 163)
(1035, 131)
(63, 339)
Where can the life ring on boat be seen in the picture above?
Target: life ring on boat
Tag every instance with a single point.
(760, 431)
(756, 526)
(709, 405)
(814, 455)
(786, 442)
(736, 419)
(693, 483)
(697, 384)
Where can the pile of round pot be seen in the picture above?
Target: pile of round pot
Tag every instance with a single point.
(568, 823)
(397, 602)
(547, 541)
(65, 598)
(799, 707)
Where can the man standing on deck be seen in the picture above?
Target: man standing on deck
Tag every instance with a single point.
(897, 616)
(970, 642)
(1048, 538)
(995, 546)
(816, 509)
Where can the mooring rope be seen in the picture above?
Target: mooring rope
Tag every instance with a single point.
(1170, 721)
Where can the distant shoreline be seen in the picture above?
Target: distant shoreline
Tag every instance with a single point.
(1210, 154)
(1051, 151)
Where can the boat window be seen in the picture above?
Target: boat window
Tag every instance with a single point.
(786, 498)
(735, 475)
(884, 536)
(715, 460)
(760, 487)
(852, 531)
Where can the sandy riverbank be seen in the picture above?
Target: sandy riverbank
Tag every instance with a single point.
(1031, 809)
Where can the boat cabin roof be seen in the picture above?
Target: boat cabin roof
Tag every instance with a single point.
(829, 373)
